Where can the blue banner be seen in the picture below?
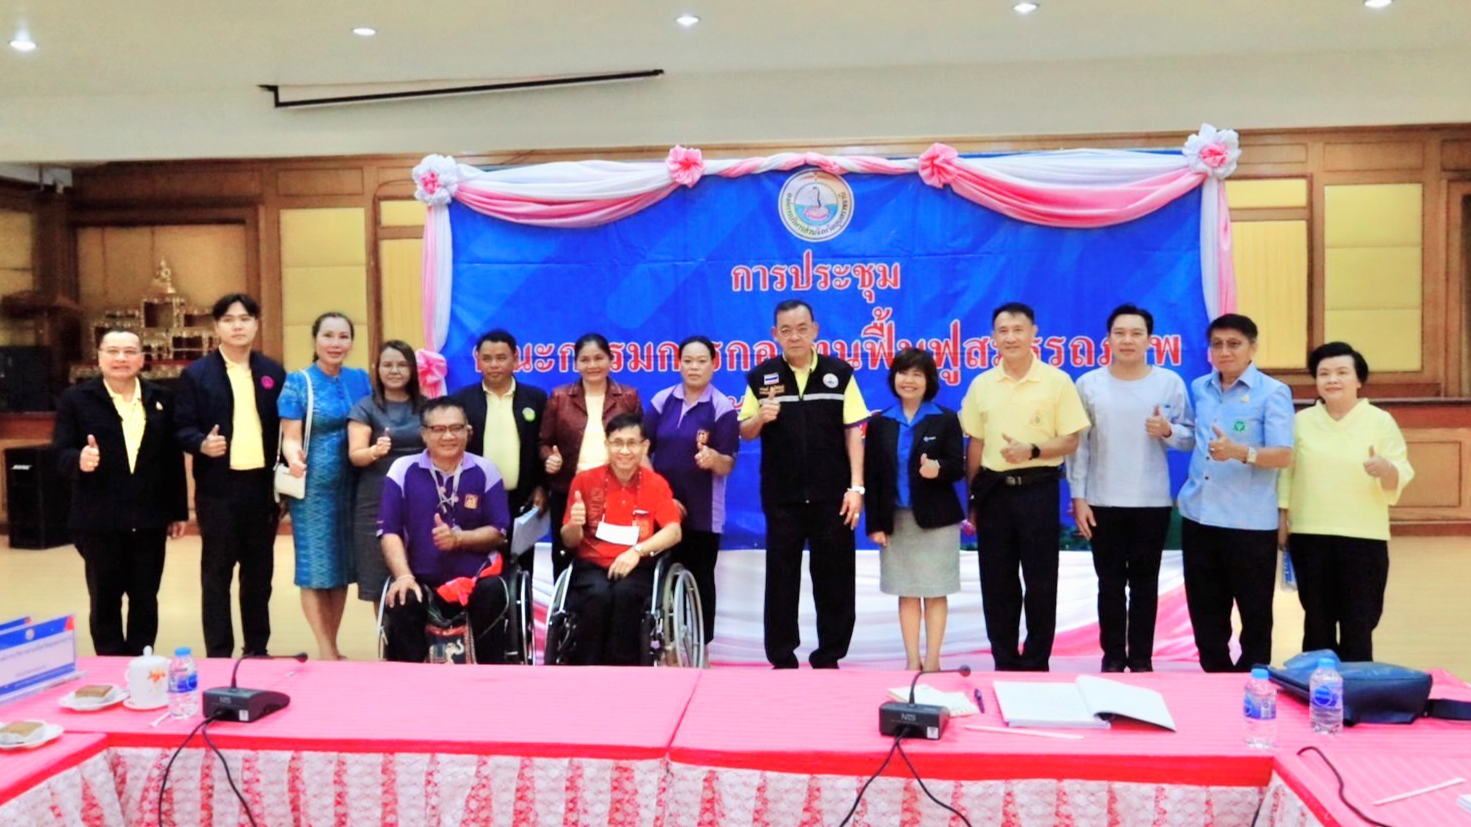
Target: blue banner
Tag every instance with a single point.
(885, 261)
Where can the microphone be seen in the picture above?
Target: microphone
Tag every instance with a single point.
(299, 657)
(926, 720)
(964, 670)
(235, 703)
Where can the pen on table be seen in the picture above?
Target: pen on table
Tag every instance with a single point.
(1423, 790)
(980, 703)
(1030, 733)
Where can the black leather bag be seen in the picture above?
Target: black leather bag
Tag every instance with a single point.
(1373, 693)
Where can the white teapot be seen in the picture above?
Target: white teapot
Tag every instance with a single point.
(148, 680)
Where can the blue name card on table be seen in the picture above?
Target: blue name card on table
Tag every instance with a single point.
(34, 656)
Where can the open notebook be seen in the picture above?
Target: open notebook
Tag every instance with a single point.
(956, 702)
(1087, 703)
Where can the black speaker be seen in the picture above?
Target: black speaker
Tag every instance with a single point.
(25, 378)
(37, 496)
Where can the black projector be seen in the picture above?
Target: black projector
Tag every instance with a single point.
(913, 720)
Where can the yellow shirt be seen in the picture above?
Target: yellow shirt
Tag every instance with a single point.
(502, 440)
(247, 448)
(855, 410)
(1327, 490)
(594, 451)
(1043, 405)
(134, 418)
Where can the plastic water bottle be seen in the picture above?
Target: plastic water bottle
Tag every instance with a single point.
(1260, 710)
(1289, 577)
(1325, 691)
(183, 684)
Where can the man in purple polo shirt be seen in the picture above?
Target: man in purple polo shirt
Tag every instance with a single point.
(443, 516)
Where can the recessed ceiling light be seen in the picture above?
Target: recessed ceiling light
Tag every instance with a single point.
(364, 31)
(1025, 7)
(686, 20)
(23, 44)
(1378, 4)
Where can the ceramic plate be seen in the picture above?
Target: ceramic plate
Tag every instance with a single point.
(133, 706)
(50, 733)
(70, 701)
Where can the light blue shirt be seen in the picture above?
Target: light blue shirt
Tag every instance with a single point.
(1257, 412)
(906, 443)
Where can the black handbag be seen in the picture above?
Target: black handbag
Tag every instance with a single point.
(1373, 693)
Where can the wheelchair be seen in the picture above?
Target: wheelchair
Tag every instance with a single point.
(671, 627)
(517, 626)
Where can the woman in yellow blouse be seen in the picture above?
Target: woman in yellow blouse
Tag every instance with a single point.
(1349, 466)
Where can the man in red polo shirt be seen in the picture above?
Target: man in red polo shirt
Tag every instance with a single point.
(619, 516)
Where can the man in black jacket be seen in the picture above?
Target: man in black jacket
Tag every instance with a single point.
(806, 408)
(225, 415)
(505, 420)
(113, 438)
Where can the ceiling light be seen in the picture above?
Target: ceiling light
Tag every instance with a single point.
(686, 20)
(364, 31)
(1378, 4)
(23, 44)
(1025, 7)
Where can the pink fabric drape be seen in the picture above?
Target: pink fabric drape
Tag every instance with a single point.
(564, 214)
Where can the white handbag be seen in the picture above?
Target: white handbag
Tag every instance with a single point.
(288, 485)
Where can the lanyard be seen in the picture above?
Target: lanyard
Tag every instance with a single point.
(448, 489)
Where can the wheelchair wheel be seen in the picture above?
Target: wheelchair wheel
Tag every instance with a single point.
(678, 619)
(382, 627)
(524, 619)
(561, 625)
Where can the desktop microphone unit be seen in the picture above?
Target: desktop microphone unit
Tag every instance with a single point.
(234, 703)
(918, 720)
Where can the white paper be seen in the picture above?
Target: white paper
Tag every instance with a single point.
(619, 535)
(1036, 704)
(958, 704)
(1104, 696)
(530, 527)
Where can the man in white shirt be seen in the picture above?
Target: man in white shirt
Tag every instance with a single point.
(1120, 482)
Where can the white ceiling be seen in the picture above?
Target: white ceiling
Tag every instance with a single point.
(103, 47)
(115, 79)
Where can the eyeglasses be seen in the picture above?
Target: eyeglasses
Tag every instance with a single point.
(624, 444)
(788, 332)
(447, 430)
(1228, 344)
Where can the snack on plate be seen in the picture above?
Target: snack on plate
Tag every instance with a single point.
(95, 693)
(20, 732)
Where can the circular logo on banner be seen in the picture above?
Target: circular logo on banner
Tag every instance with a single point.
(815, 205)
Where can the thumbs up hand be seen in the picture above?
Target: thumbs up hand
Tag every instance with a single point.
(705, 457)
(384, 444)
(445, 538)
(554, 460)
(90, 457)
(1157, 426)
(770, 407)
(1015, 452)
(928, 468)
(1223, 447)
(214, 445)
(578, 509)
(1377, 466)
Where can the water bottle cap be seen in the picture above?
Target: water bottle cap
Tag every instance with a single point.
(183, 652)
(1259, 673)
(1327, 663)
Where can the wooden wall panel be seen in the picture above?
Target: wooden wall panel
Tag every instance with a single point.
(1384, 155)
(1439, 492)
(312, 182)
(1252, 154)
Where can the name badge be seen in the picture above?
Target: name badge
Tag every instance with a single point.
(619, 535)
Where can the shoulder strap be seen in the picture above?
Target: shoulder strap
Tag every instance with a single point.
(1448, 710)
(306, 424)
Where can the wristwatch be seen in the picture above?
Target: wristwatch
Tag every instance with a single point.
(1036, 450)
(1251, 456)
(858, 489)
(637, 548)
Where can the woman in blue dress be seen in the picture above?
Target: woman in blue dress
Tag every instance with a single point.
(321, 522)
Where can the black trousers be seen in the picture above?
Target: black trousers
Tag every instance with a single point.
(561, 555)
(1225, 566)
(123, 564)
(1019, 527)
(1127, 544)
(832, 566)
(1340, 582)
(237, 527)
(609, 613)
(404, 624)
(697, 551)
